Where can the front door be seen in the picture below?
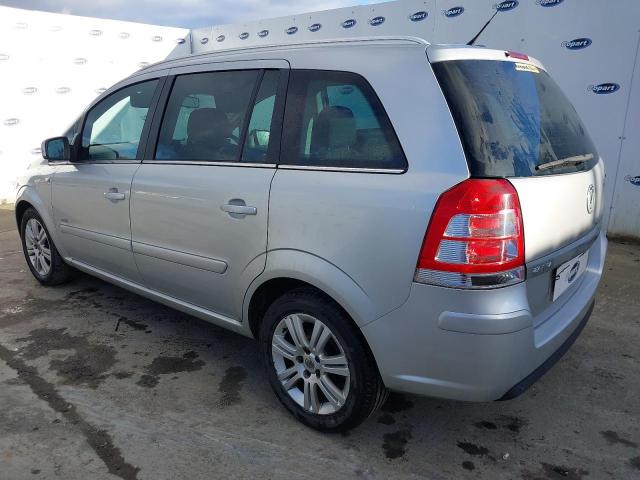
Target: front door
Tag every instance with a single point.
(200, 199)
(91, 195)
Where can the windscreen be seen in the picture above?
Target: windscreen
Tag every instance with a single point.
(513, 120)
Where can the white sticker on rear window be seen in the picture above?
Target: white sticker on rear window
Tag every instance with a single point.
(525, 67)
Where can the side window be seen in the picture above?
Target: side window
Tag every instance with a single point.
(205, 116)
(334, 119)
(258, 146)
(113, 127)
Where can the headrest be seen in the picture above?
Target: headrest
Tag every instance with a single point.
(335, 127)
(207, 123)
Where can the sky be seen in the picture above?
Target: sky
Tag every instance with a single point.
(183, 13)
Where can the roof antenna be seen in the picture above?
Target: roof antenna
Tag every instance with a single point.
(473, 40)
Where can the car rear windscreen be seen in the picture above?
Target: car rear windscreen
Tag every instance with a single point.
(513, 120)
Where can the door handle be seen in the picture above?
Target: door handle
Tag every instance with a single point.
(239, 208)
(113, 194)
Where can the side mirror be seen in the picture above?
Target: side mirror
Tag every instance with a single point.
(56, 149)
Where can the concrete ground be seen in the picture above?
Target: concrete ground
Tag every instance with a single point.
(98, 383)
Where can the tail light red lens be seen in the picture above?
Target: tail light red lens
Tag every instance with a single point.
(475, 238)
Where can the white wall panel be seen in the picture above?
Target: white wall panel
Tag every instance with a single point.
(625, 217)
(53, 65)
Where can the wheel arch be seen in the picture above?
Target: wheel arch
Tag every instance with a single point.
(288, 269)
(29, 198)
(21, 207)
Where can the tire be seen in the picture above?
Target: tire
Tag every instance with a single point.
(41, 254)
(332, 381)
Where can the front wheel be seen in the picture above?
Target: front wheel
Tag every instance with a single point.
(318, 362)
(41, 254)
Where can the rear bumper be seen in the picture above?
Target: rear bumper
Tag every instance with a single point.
(426, 346)
(533, 377)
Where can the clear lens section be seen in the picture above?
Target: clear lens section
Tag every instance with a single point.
(469, 280)
(501, 224)
(477, 252)
(452, 251)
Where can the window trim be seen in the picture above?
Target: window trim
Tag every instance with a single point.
(320, 168)
(391, 171)
(144, 134)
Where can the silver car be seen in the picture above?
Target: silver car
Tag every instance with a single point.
(380, 214)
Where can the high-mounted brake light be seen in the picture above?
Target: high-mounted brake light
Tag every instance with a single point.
(475, 238)
(518, 55)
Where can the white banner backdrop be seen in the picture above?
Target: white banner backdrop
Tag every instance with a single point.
(52, 66)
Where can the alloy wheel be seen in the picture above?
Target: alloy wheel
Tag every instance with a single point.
(38, 247)
(310, 364)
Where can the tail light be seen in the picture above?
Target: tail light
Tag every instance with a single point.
(475, 238)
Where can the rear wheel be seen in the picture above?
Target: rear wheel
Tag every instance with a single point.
(41, 254)
(318, 363)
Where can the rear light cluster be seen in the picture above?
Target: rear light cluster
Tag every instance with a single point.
(475, 238)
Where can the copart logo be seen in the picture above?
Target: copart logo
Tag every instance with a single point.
(577, 44)
(315, 27)
(243, 35)
(29, 90)
(604, 88)
(263, 33)
(291, 30)
(375, 21)
(418, 16)
(549, 3)
(453, 12)
(79, 61)
(63, 90)
(10, 122)
(507, 5)
(633, 180)
(349, 23)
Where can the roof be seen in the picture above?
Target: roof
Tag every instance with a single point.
(332, 42)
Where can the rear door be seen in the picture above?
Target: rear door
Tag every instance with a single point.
(200, 198)
(91, 196)
(515, 123)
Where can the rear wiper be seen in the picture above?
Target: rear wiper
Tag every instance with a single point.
(566, 161)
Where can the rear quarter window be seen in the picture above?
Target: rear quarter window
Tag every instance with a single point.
(335, 120)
